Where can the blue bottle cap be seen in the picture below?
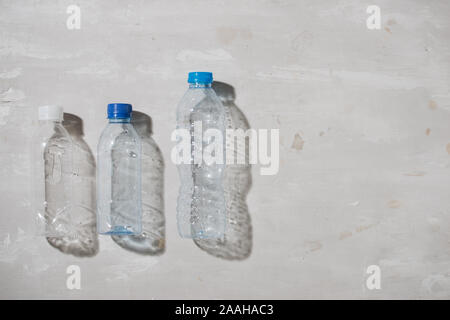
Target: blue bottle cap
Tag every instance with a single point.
(200, 77)
(119, 110)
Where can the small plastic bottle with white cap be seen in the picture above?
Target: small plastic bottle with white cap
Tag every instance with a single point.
(53, 173)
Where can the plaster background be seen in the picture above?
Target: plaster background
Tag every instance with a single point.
(364, 119)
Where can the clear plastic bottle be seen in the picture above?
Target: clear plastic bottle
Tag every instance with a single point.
(119, 175)
(53, 174)
(201, 211)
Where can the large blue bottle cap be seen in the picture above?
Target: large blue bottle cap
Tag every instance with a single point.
(119, 110)
(200, 77)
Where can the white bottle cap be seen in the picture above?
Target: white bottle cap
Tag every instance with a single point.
(51, 113)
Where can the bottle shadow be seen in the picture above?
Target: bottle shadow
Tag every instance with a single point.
(238, 240)
(83, 239)
(152, 239)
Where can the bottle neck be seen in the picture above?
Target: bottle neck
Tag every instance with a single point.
(119, 120)
(199, 85)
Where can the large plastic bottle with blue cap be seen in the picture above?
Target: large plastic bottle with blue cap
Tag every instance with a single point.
(119, 174)
(201, 212)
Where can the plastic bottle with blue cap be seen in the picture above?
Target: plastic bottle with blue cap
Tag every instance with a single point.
(119, 174)
(201, 212)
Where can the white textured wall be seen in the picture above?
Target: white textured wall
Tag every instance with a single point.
(364, 119)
